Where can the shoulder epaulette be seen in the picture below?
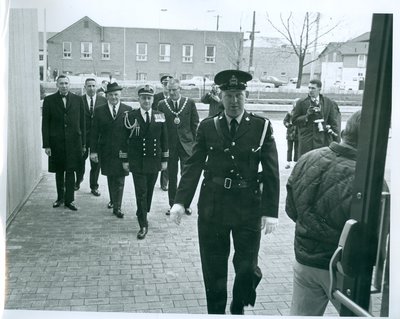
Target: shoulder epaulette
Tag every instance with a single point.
(259, 116)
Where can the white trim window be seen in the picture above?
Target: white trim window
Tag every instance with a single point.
(187, 53)
(67, 50)
(165, 52)
(210, 54)
(141, 51)
(86, 50)
(105, 51)
(362, 61)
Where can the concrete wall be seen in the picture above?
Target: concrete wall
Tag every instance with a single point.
(24, 118)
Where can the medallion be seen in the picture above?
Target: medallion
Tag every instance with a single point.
(177, 120)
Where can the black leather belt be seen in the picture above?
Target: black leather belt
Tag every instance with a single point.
(229, 183)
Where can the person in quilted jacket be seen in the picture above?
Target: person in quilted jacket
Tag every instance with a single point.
(319, 193)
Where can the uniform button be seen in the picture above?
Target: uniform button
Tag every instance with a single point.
(144, 154)
(232, 171)
(233, 143)
(211, 148)
(144, 144)
(144, 138)
(155, 140)
(233, 157)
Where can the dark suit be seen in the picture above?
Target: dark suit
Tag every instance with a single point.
(308, 134)
(108, 137)
(147, 147)
(181, 137)
(94, 167)
(63, 131)
(231, 202)
(163, 174)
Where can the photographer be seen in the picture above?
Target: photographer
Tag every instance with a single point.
(214, 99)
(317, 119)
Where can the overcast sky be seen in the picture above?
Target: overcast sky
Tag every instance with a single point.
(354, 16)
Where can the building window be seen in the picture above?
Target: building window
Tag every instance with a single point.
(105, 51)
(67, 50)
(141, 76)
(86, 50)
(210, 54)
(141, 51)
(165, 52)
(361, 62)
(186, 76)
(187, 53)
(41, 57)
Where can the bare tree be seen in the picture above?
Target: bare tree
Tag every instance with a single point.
(301, 38)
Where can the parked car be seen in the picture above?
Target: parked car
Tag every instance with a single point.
(197, 81)
(293, 80)
(256, 84)
(273, 80)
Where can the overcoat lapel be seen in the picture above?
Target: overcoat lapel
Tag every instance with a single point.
(244, 126)
(224, 126)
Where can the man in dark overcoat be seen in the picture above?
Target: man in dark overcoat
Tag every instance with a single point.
(91, 100)
(236, 199)
(63, 134)
(107, 139)
(157, 98)
(182, 120)
(147, 151)
(317, 119)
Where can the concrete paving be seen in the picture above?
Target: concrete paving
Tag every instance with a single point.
(90, 260)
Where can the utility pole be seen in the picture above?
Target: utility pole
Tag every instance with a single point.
(218, 21)
(45, 69)
(315, 48)
(252, 32)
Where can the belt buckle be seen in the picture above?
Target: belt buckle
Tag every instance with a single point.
(227, 183)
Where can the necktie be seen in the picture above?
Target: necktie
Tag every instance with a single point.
(176, 106)
(234, 125)
(147, 118)
(114, 112)
(91, 106)
(64, 99)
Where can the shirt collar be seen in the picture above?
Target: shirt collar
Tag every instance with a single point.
(88, 99)
(143, 112)
(110, 106)
(238, 118)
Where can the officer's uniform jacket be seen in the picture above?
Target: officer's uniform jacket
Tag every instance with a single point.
(184, 132)
(146, 148)
(63, 131)
(108, 137)
(227, 163)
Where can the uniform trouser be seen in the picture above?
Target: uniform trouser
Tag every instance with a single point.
(116, 190)
(214, 241)
(310, 291)
(65, 181)
(179, 154)
(94, 172)
(164, 179)
(144, 187)
(292, 150)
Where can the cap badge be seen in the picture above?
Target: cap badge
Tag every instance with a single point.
(233, 81)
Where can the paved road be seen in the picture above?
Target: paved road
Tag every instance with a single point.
(91, 261)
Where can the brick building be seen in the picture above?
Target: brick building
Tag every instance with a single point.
(86, 47)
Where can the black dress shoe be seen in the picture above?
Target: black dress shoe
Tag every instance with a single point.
(168, 212)
(118, 213)
(57, 203)
(236, 308)
(142, 233)
(188, 211)
(95, 192)
(71, 206)
(110, 205)
(77, 186)
(164, 188)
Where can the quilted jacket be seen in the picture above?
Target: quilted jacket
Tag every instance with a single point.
(319, 194)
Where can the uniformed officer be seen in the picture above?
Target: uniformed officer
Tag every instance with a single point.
(235, 197)
(147, 150)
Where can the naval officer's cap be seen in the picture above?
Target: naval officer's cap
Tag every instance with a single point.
(146, 90)
(165, 78)
(232, 80)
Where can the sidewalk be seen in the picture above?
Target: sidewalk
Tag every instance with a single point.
(90, 260)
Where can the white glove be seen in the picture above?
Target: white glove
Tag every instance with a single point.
(270, 224)
(47, 151)
(177, 212)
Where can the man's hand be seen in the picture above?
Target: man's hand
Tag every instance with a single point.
(47, 150)
(177, 212)
(164, 166)
(125, 166)
(94, 157)
(269, 223)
